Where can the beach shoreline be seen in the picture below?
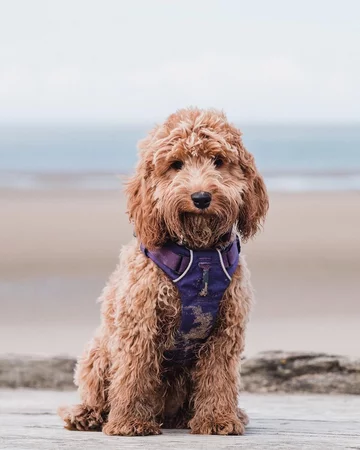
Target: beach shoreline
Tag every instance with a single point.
(278, 180)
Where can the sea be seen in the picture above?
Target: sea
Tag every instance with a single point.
(292, 158)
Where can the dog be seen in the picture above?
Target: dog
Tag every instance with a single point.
(174, 312)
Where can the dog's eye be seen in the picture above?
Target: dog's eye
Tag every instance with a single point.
(218, 162)
(177, 165)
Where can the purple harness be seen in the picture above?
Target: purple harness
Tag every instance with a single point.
(202, 276)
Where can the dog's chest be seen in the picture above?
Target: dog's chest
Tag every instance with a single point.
(201, 278)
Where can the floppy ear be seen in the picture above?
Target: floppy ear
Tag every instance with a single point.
(142, 208)
(255, 198)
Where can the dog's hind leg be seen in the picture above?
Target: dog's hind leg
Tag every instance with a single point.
(81, 418)
(91, 376)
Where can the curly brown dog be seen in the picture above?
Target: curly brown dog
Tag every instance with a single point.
(174, 312)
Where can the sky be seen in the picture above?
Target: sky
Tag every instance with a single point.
(139, 60)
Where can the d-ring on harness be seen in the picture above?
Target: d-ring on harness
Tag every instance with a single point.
(202, 276)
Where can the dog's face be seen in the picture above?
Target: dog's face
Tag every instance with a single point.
(195, 181)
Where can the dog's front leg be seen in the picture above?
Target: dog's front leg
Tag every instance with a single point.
(134, 390)
(136, 353)
(216, 374)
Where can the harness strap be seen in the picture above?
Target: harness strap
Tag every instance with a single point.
(230, 254)
(178, 263)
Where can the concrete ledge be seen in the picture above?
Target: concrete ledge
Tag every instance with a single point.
(266, 372)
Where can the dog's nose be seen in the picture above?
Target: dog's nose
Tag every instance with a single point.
(201, 199)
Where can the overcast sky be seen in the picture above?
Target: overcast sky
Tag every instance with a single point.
(139, 60)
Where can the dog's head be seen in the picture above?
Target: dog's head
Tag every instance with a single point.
(194, 182)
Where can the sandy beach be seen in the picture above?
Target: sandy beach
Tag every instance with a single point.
(59, 246)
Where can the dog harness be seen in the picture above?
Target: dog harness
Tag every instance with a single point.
(201, 276)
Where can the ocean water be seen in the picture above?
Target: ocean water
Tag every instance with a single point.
(291, 157)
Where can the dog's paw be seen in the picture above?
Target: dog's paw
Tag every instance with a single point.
(217, 425)
(81, 418)
(131, 428)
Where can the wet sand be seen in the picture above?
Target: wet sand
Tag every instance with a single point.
(58, 248)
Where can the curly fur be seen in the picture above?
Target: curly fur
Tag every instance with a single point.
(126, 388)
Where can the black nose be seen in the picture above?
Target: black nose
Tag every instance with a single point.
(201, 199)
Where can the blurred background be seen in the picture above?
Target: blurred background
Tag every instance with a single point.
(82, 81)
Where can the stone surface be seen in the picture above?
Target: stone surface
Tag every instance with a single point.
(36, 372)
(281, 422)
(301, 372)
(266, 372)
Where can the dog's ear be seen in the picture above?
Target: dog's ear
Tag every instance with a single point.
(255, 201)
(142, 208)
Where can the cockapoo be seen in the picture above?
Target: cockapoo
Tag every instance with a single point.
(174, 312)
